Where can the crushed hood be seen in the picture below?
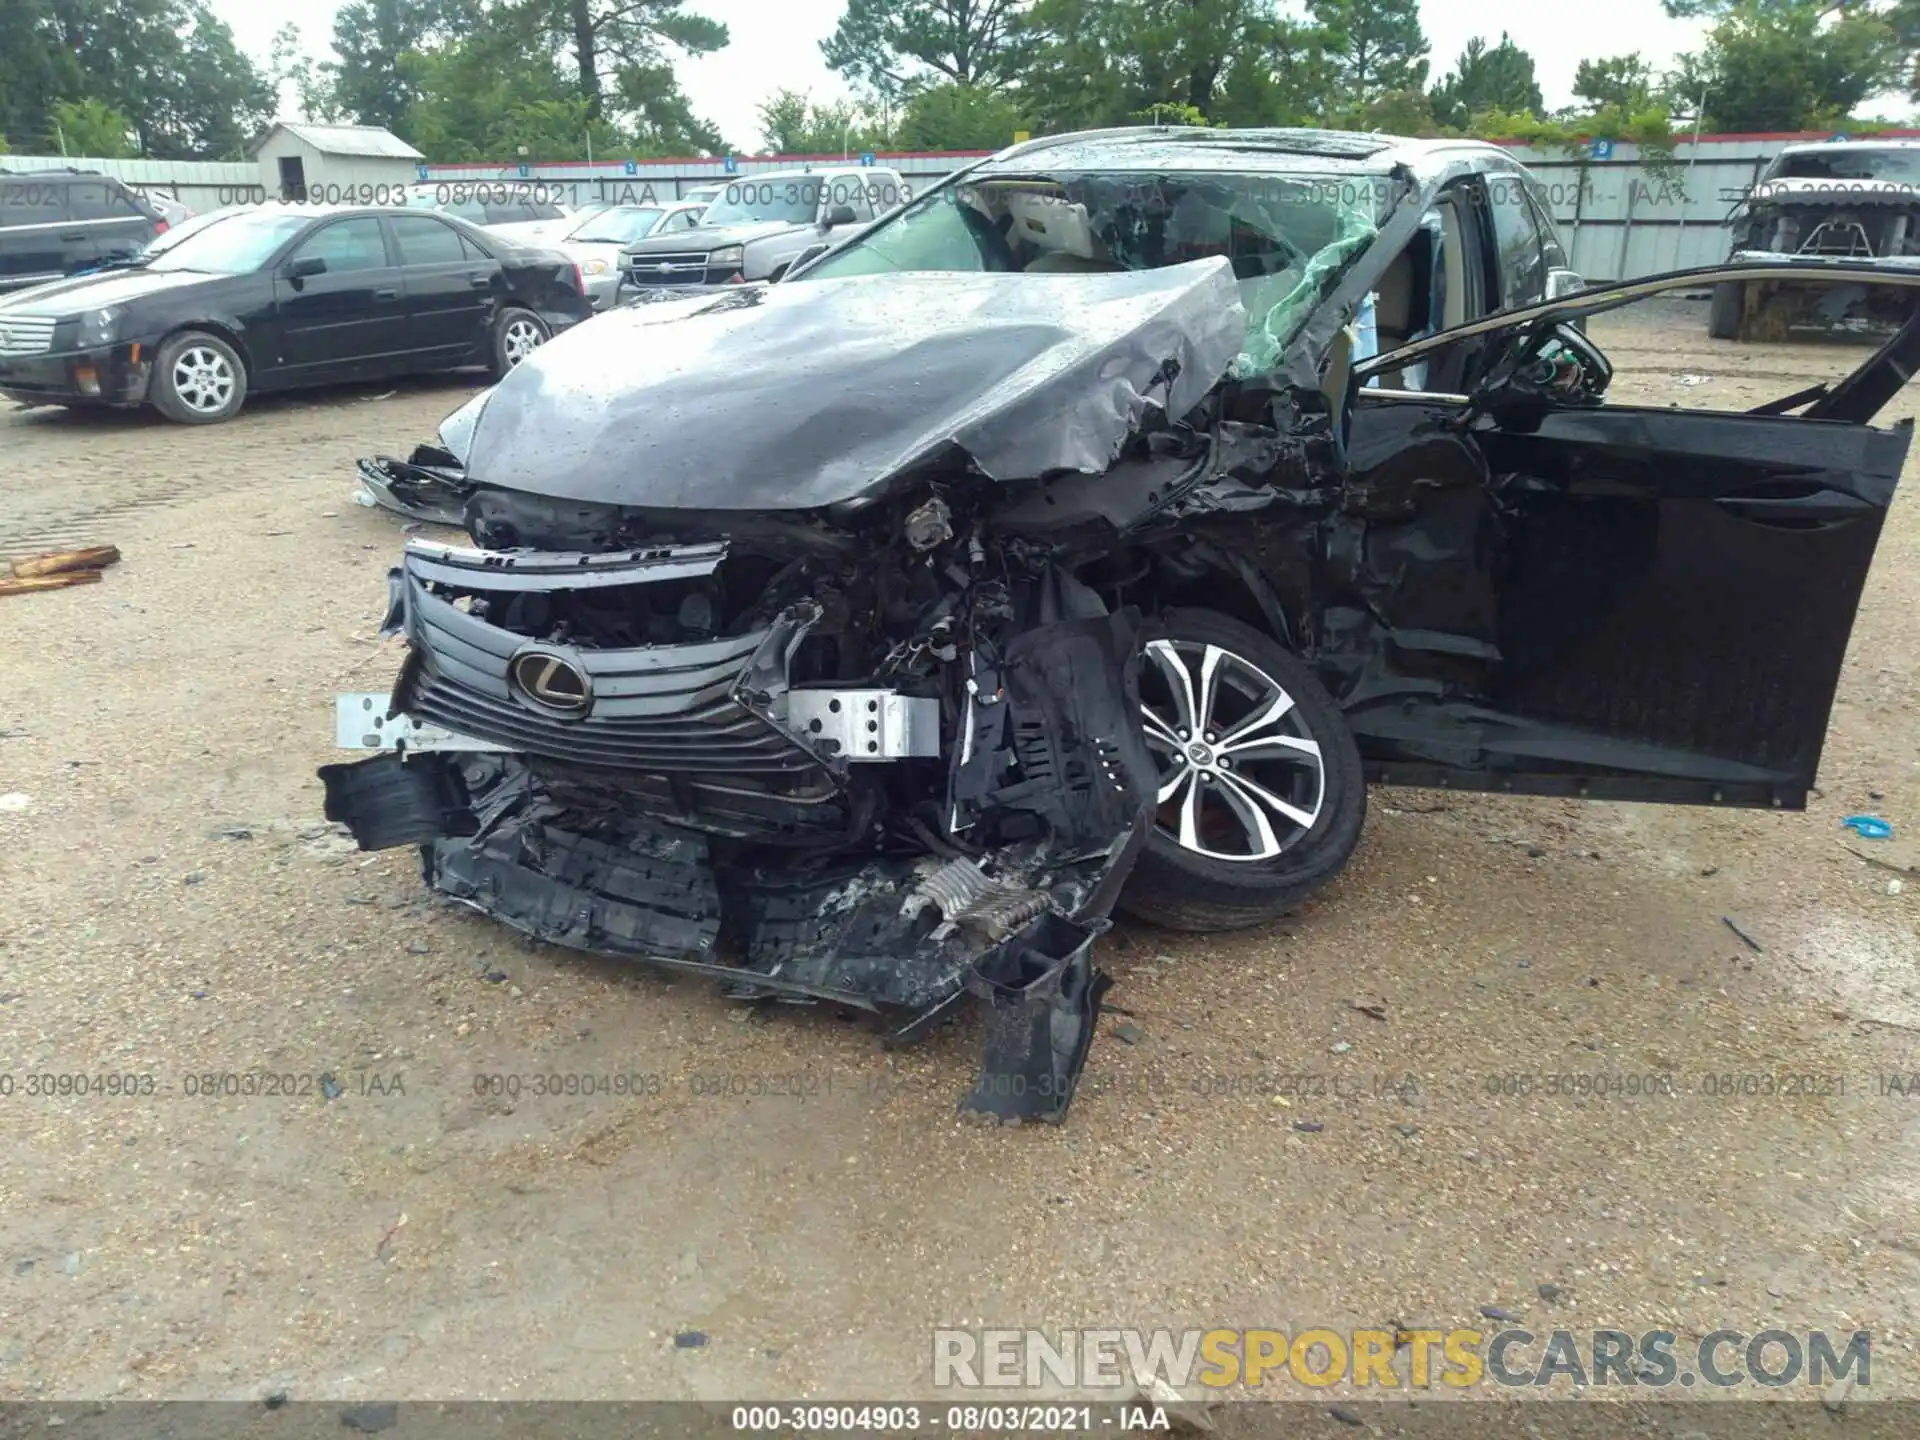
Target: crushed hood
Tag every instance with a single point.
(790, 397)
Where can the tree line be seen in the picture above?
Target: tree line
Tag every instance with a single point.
(564, 79)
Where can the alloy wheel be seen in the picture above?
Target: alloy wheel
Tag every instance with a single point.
(1241, 778)
(203, 378)
(521, 339)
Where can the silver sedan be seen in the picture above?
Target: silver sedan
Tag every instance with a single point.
(596, 245)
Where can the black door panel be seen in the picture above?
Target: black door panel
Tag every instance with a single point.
(450, 292)
(350, 320)
(1646, 603)
(1686, 580)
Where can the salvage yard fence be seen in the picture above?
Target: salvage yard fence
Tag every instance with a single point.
(1620, 216)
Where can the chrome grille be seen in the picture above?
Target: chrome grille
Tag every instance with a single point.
(659, 708)
(25, 334)
(679, 268)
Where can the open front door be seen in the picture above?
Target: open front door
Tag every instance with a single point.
(1662, 597)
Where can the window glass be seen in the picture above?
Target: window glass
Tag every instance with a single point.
(621, 225)
(1523, 270)
(347, 245)
(427, 242)
(1543, 217)
(96, 200)
(472, 249)
(853, 192)
(1288, 238)
(31, 202)
(239, 244)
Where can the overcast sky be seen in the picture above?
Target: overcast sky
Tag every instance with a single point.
(776, 43)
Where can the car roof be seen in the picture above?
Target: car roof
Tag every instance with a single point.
(69, 174)
(1814, 147)
(798, 172)
(1186, 147)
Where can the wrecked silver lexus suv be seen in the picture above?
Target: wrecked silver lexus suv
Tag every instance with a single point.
(1055, 546)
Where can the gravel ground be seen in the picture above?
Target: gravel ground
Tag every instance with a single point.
(172, 906)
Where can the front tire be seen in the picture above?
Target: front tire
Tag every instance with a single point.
(516, 335)
(1261, 794)
(198, 379)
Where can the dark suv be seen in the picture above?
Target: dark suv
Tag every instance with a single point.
(52, 222)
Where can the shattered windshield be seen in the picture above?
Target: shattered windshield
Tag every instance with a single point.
(1900, 166)
(1288, 237)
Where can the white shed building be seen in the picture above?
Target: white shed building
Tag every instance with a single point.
(334, 164)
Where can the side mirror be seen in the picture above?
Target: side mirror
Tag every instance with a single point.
(1547, 367)
(305, 265)
(840, 215)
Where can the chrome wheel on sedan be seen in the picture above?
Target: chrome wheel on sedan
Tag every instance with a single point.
(521, 339)
(516, 335)
(203, 378)
(1240, 776)
(198, 378)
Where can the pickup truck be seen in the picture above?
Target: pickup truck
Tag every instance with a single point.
(759, 225)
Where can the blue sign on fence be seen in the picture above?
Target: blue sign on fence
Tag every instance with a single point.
(866, 157)
(632, 168)
(421, 169)
(1602, 149)
(1843, 137)
(525, 170)
(730, 165)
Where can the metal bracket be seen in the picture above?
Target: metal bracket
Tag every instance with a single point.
(867, 724)
(361, 722)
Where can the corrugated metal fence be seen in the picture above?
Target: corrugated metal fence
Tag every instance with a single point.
(197, 184)
(1621, 218)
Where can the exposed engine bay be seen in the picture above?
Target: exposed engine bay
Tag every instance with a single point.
(883, 754)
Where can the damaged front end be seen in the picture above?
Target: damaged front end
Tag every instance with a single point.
(804, 700)
(725, 756)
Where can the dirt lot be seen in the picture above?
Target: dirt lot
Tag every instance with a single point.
(171, 905)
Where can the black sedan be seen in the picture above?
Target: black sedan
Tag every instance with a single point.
(282, 297)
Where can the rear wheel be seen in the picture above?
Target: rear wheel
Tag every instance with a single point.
(516, 335)
(1261, 795)
(198, 379)
(1723, 314)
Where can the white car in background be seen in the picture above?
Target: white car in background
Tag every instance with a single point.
(515, 210)
(595, 244)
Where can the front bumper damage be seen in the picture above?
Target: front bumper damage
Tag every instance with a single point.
(430, 486)
(710, 804)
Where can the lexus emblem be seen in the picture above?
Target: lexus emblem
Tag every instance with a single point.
(550, 682)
